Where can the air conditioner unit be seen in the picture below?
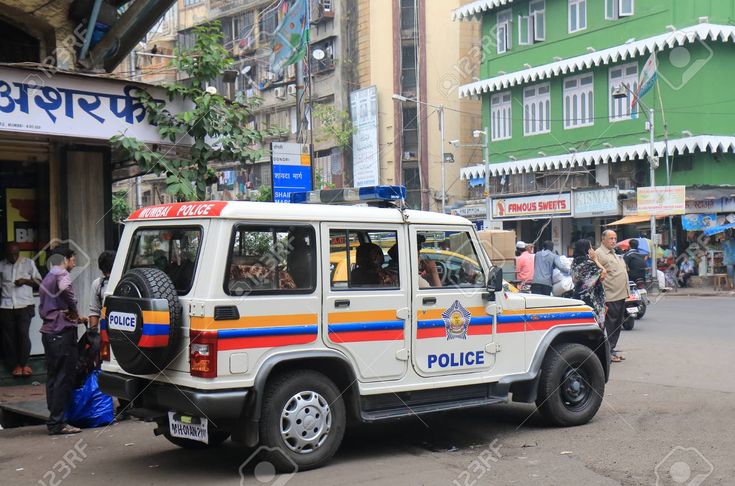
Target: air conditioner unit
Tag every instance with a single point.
(280, 92)
(409, 155)
(291, 89)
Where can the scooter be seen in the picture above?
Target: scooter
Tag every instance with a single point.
(635, 305)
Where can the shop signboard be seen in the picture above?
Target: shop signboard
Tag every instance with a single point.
(597, 202)
(661, 200)
(474, 211)
(34, 102)
(365, 160)
(531, 207)
(291, 170)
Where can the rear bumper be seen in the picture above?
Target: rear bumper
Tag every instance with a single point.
(163, 397)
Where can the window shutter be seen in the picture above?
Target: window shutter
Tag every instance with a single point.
(626, 8)
(539, 26)
(524, 31)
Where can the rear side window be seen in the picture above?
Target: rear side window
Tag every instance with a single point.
(271, 259)
(360, 259)
(174, 250)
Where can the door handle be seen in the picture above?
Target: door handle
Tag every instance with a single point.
(429, 300)
(341, 304)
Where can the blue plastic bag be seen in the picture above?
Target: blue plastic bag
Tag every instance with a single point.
(90, 407)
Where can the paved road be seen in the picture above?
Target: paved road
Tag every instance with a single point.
(669, 405)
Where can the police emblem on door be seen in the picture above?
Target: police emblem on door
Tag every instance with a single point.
(456, 321)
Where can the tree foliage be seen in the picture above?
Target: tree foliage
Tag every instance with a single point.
(334, 125)
(212, 127)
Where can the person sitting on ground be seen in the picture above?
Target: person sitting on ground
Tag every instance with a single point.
(686, 270)
(636, 262)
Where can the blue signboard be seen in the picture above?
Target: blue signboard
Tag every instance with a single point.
(291, 170)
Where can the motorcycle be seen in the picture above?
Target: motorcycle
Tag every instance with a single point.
(635, 305)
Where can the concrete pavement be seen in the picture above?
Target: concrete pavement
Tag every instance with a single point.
(668, 409)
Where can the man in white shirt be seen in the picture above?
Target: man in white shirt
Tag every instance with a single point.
(19, 277)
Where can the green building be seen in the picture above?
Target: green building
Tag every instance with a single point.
(567, 149)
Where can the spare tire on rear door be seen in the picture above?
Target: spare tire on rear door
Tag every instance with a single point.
(142, 319)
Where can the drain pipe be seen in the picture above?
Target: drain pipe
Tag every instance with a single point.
(90, 28)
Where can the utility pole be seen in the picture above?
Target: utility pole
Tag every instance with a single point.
(653, 163)
(440, 110)
(486, 155)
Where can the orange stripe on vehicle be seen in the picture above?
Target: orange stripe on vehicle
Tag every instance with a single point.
(425, 314)
(362, 316)
(156, 317)
(208, 322)
(545, 310)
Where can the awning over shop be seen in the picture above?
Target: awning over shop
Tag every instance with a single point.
(632, 220)
(688, 145)
(719, 229)
(474, 9)
(630, 50)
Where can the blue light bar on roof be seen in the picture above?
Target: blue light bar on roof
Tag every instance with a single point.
(351, 195)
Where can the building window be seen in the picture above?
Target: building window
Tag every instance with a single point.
(501, 116)
(532, 28)
(537, 109)
(625, 77)
(408, 67)
(579, 101)
(577, 15)
(326, 63)
(359, 259)
(503, 31)
(191, 3)
(615, 9)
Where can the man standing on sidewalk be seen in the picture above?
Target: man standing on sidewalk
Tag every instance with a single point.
(616, 289)
(544, 263)
(60, 318)
(19, 277)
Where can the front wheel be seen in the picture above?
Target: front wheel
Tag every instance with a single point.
(571, 385)
(303, 420)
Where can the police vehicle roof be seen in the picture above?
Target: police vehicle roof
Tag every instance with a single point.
(298, 212)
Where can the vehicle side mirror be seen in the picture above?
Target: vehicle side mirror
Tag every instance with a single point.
(495, 279)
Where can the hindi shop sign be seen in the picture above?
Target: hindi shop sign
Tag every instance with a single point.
(33, 101)
(291, 170)
(598, 202)
(530, 207)
(661, 200)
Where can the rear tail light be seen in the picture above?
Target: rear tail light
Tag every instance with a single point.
(104, 346)
(203, 353)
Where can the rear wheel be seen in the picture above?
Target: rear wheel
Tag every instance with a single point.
(641, 311)
(303, 420)
(571, 385)
(629, 323)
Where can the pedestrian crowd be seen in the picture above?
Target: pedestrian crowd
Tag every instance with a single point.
(600, 278)
(58, 308)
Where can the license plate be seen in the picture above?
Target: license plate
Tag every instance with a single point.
(183, 427)
(632, 311)
(122, 321)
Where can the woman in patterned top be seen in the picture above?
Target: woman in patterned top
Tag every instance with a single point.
(587, 275)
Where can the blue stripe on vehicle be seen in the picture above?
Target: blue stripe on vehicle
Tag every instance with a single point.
(487, 320)
(266, 331)
(155, 329)
(367, 326)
